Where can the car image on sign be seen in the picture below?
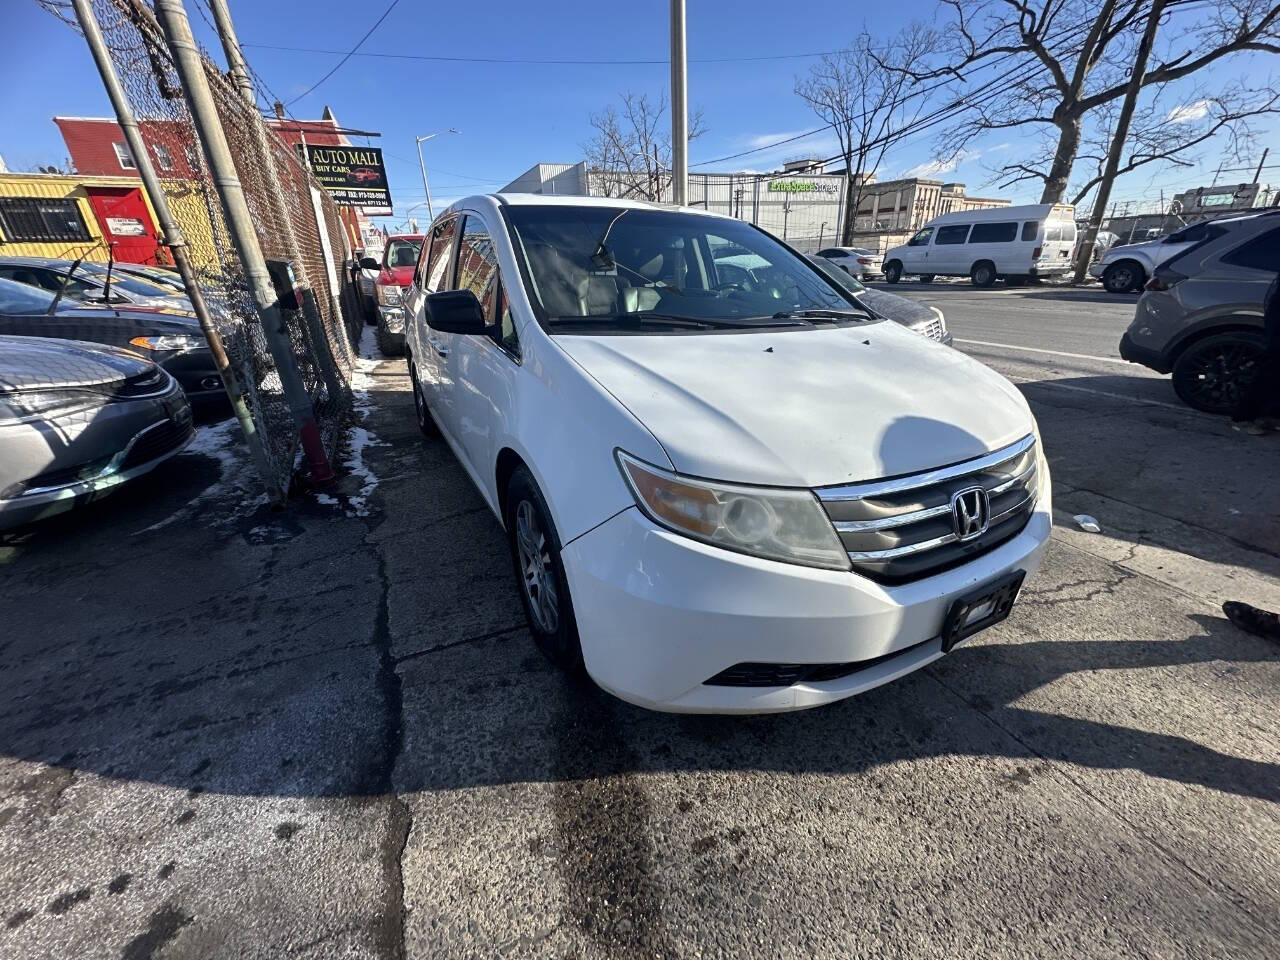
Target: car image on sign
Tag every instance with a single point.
(364, 175)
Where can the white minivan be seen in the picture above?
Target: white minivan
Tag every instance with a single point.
(1009, 243)
(726, 486)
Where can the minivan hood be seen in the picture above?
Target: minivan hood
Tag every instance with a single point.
(806, 408)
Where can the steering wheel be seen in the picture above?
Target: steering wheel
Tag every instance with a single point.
(729, 285)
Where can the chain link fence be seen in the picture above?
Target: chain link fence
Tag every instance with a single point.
(295, 221)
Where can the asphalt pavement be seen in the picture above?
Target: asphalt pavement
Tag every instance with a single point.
(327, 733)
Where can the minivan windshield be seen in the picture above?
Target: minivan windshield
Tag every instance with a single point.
(606, 269)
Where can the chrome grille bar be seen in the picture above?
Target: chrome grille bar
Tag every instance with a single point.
(888, 523)
(874, 488)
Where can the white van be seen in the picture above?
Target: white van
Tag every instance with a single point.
(1008, 243)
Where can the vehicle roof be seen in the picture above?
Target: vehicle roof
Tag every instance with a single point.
(405, 236)
(1029, 211)
(557, 200)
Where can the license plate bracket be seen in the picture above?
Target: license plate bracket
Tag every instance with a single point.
(983, 608)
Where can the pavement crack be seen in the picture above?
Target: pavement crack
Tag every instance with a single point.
(491, 635)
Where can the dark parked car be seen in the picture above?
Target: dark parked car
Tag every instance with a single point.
(77, 420)
(924, 320)
(172, 338)
(1201, 315)
(86, 281)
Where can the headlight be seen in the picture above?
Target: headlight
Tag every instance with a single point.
(388, 295)
(169, 341)
(787, 525)
(44, 404)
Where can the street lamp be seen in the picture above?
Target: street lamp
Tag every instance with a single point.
(423, 167)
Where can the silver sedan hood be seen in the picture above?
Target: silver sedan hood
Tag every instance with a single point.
(28, 363)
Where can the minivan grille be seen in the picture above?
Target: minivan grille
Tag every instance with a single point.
(904, 528)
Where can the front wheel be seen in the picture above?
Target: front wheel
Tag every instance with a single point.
(425, 423)
(1213, 374)
(926, 278)
(387, 341)
(544, 589)
(892, 271)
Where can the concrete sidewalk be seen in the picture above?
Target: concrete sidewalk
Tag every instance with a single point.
(231, 733)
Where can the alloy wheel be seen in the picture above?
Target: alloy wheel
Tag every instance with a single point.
(1215, 378)
(537, 570)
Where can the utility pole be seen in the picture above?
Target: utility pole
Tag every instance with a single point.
(1258, 173)
(679, 108)
(174, 240)
(1121, 134)
(172, 17)
(275, 197)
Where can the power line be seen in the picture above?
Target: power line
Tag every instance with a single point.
(351, 53)
(526, 61)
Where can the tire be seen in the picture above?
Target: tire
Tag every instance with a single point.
(1015, 281)
(892, 271)
(388, 347)
(926, 278)
(370, 313)
(983, 274)
(425, 423)
(1211, 374)
(1124, 276)
(544, 589)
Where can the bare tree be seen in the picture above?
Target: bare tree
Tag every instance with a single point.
(1059, 60)
(868, 97)
(1172, 130)
(630, 152)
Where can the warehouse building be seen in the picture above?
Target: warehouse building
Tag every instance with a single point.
(803, 203)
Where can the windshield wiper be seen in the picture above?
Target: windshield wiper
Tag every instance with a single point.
(631, 320)
(821, 313)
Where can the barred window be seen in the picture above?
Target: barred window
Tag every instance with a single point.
(24, 219)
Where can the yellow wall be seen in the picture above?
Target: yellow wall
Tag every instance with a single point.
(185, 200)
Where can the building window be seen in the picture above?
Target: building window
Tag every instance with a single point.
(163, 157)
(34, 219)
(124, 156)
(193, 162)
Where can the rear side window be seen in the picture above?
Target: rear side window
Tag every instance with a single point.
(1192, 234)
(1030, 229)
(994, 232)
(955, 234)
(438, 275)
(829, 252)
(478, 264)
(1260, 253)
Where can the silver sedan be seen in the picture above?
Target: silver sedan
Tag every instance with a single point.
(78, 419)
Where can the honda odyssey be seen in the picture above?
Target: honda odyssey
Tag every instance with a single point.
(725, 485)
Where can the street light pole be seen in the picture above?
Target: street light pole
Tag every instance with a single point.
(679, 107)
(423, 167)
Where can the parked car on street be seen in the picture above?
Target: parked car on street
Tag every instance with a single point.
(1201, 315)
(856, 261)
(925, 320)
(1126, 269)
(171, 338)
(1012, 244)
(87, 282)
(77, 420)
(726, 488)
(399, 258)
(368, 264)
(166, 277)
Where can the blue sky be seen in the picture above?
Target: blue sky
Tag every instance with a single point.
(511, 116)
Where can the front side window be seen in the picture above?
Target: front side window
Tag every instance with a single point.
(613, 265)
(1030, 230)
(438, 273)
(994, 233)
(921, 239)
(478, 264)
(953, 234)
(124, 156)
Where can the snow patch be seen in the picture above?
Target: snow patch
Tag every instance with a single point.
(359, 437)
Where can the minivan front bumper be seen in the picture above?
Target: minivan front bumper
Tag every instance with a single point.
(660, 614)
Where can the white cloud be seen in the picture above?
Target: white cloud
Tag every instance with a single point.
(1188, 112)
(765, 139)
(933, 168)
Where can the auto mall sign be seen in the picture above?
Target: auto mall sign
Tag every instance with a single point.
(352, 176)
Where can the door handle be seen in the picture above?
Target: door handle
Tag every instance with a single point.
(437, 346)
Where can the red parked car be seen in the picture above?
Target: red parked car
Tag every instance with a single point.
(399, 258)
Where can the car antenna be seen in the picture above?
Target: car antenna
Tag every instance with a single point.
(111, 262)
(66, 281)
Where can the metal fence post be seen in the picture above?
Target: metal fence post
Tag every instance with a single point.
(239, 70)
(172, 17)
(174, 240)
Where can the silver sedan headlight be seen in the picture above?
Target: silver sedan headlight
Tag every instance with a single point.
(777, 524)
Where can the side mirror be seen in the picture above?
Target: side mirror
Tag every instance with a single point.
(368, 263)
(455, 311)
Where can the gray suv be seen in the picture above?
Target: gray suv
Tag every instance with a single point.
(1200, 316)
